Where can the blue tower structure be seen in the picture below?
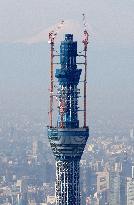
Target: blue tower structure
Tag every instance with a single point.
(67, 139)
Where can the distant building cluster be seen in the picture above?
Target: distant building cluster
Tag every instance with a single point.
(108, 171)
(27, 168)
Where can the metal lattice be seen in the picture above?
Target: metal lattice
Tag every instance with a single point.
(67, 183)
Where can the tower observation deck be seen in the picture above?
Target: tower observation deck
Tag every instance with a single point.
(68, 139)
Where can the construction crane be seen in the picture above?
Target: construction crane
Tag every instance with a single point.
(85, 43)
(51, 41)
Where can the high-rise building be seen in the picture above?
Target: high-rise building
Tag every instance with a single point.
(133, 171)
(114, 188)
(68, 139)
(130, 191)
(122, 189)
(102, 187)
(132, 134)
(126, 171)
(34, 148)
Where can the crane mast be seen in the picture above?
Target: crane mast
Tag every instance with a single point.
(85, 43)
(51, 41)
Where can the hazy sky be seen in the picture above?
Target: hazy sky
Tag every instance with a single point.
(109, 21)
(24, 68)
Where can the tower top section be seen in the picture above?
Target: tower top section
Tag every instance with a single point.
(68, 74)
(69, 37)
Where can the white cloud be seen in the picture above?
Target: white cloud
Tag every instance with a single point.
(69, 26)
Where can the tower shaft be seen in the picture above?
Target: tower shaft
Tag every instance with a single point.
(67, 182)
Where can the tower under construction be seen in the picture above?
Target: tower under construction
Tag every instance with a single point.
(67, 138)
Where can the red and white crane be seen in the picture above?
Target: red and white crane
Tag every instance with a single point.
(51, 41)
(85, 42)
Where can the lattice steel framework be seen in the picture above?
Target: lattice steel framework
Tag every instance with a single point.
(67, 182)
(67, 139)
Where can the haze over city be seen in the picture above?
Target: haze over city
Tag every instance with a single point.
(24, 55)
